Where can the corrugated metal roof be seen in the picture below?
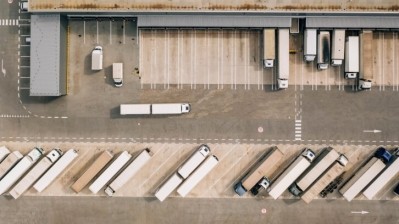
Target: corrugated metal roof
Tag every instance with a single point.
(211, 21)
(45, 55)
(353, 22)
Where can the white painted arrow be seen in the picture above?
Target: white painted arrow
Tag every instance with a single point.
(359, 212)
(372, 131)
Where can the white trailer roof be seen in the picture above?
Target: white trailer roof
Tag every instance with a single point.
(135, 109)
(283, 53)
(170, 185)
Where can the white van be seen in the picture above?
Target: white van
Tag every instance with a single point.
(117, 74)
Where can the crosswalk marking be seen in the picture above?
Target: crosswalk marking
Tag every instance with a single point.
(9, 22)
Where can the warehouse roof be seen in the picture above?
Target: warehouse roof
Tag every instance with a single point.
(352, 22)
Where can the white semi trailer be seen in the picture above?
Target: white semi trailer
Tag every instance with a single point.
(351, 57)
(291, 173)
(19, 169)
(142, 159)
(168, 187)
(269, 47)
(9, 162)
(338, 47)
(156, 109)
(310, 45)
(3, 153)
(194, 161)
(283, 70)
(35, 173)
(59, 166)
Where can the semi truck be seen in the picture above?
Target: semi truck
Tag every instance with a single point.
(194, 161)
(269, 47)
(325, 179)
(117, 74)
(97, 58)
(110, 171)
(366, 59)
(386, 176)
(283, 70)
(35, 173)
(95, 168)
(142, 159)
(321, 164)
(264, 168)
(363, 177)
(351, 57)
(158, 109)
(338, 47)
(55, 170)
(323, 50)
(19, 169)
(197, 175)
(9, 162)
(3, 153)
(310, 45)
(168, 187)
(291, 173)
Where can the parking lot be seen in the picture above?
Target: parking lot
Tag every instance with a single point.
(222, 58)
(234, 161)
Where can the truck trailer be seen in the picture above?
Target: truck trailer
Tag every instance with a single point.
(386, 176)
(362, 178)
(35, 173)
(3, 153)
(321, 164)
(101, 161)
(323, 50)
(168, 187)
(326, 178)
(366, 59)
(351, 57)
(19, 169)
(269, 47)
(263, 169)
(197, 175)
(194, 161)
(9, 162)
(310, 45)
(291, 173)
(142, 159)
(338, 47)
(156, 109)
(59, 166)
(110, 172)
(117, 74)
(97, 58)
(283, 70)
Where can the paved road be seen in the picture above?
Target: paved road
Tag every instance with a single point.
(147, 210)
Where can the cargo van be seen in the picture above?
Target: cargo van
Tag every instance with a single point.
(117, 74)
(97, 58)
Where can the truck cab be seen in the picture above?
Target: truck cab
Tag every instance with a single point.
(263, 183)
(282, 83)
(383, 154)
(185, 108)
(308, 154)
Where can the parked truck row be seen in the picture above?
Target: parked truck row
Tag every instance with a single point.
(307, 175)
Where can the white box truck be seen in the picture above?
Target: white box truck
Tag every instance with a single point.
(321, 164)
(366, 59)
(3, 153)
(197, 175)
(142, 159)
(263, 169)
(97, 58)
(19, 169)
(310, 45)
(117, 74)
(338, 47)
(9, 162)
(283, 69)
(351, 57)
(386, 176)
(168, 187)
(326, 178)
(35, 173)
(362, 178)
(194, 161)
(323, 50)
(291, 173)
(269, 47)
(95, 168)
(59, 166)
(157, 109)
(110, 172)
